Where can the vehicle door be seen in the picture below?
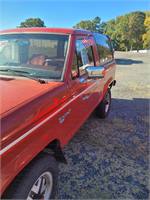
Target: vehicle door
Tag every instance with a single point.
(87, 89)
(83, 92)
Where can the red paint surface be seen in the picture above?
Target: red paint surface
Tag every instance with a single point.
(22, 90)
(46, 30)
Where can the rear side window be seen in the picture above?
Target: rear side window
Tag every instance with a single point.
(104, 48)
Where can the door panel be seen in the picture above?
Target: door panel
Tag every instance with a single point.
(84, 92)
(91, 96)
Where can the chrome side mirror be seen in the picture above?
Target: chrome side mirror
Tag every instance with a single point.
(95, 71)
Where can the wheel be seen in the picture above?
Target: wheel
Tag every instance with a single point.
(37, 181)
(103, 108)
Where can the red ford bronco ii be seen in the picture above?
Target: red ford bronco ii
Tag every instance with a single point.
(51, 81)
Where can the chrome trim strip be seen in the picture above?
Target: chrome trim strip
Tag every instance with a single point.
(2, 151)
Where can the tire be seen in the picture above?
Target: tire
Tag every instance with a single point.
(103, 108)
(41, 172)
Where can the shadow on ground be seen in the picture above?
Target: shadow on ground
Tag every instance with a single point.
(123, 61)
(108, 159)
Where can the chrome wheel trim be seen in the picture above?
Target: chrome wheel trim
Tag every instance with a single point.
(42, 188)
(107, 102)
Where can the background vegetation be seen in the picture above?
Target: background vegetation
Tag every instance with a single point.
(128, 32)
(32, 22)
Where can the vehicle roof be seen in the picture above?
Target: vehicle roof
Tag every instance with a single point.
(47, 30)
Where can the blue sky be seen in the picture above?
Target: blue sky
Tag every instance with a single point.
(65, 13)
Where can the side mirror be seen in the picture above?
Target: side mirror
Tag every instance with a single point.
(95, 71)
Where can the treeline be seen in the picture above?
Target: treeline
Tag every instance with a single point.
(128, 32)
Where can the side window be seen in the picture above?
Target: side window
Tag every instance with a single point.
(84, 55)
(104, 48)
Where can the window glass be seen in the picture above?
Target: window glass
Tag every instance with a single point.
(74, 70)
(104, 47)
(84, 55)
(40, 55)
(47, 47)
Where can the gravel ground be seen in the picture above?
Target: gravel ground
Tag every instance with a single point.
(108, 159)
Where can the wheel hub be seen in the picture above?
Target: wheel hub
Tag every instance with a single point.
(42, 188)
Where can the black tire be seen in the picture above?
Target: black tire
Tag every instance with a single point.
(22, 185)
(101, 110)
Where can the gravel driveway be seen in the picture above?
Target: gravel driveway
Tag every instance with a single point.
(108, 159)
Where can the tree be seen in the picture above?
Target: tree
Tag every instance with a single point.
(117, 29)
(86, 24)
(110, 29)
(98, 26)
(146, 35)
(127, 30)
(136, 29)
(122, 32)
(32, 22)
(93, 25)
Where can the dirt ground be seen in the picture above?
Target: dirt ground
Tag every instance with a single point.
(108, 159)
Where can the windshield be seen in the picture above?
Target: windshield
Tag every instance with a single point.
(40, 55)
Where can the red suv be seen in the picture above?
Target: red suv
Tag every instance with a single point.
(51, 81)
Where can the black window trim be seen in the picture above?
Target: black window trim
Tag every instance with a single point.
(78, 75)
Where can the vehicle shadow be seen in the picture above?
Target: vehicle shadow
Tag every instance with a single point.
(124, 61)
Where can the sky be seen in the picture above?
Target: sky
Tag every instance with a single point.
(65, 13)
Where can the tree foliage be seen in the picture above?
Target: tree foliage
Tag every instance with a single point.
(32, 22)
(136, 29)
(93, 25)
(146, 35)
(125, 31)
